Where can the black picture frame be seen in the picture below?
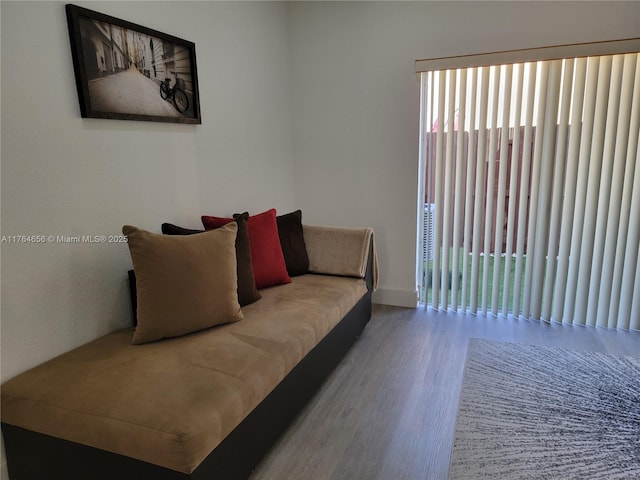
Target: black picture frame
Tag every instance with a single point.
(121, 70)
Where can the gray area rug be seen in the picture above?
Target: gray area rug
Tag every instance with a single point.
(546, 413)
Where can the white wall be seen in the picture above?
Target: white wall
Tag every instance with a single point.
(356, 101)
(64, 175)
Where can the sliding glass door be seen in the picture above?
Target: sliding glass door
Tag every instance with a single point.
(530, 195)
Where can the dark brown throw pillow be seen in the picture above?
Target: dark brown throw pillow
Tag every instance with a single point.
(247, 291)
(292, 241)
(171, 229)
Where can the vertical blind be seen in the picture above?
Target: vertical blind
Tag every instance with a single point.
(532, 170)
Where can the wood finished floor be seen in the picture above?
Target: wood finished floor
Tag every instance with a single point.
(388, 411)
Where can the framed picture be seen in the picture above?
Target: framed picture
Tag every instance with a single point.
(129, 72)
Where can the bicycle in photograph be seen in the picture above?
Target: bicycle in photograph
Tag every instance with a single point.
(175, 93)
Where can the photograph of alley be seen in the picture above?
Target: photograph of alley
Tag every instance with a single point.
(129, 72)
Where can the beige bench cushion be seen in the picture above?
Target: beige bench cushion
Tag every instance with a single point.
(171, 402)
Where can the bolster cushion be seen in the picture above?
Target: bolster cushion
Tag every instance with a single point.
(340, 251)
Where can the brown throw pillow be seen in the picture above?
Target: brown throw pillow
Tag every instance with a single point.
(292, 242)
(184, 283)
(247, 291)
(171, 229)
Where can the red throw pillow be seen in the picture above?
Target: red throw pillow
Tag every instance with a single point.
(269, 267)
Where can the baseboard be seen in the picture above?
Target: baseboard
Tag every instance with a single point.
(397, 298)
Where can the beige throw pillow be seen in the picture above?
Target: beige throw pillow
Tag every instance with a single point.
(185, 283)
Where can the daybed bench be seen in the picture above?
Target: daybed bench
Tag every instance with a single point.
(208, 404)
